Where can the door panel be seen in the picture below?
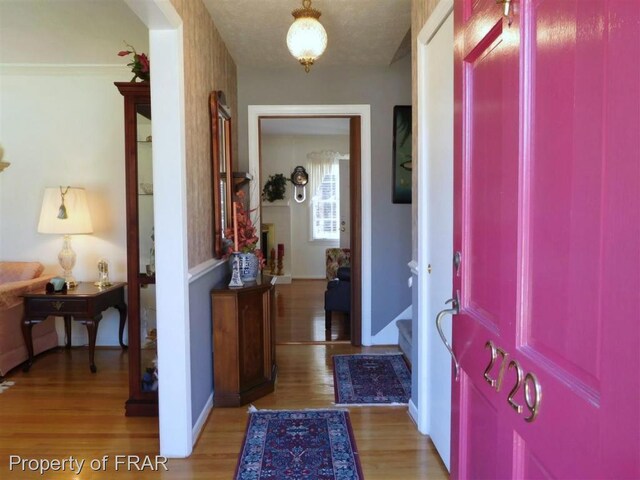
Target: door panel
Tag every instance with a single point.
(436, 210)
(563, 209)
(480, 429)
(547, 215)
(491, 182)
(345, 210)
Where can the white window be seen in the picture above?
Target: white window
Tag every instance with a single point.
(325, 206)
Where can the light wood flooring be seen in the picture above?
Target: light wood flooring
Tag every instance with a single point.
(300, 314)
(60, 409)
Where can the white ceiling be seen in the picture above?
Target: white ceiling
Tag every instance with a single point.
(360, 32)
(304, 126)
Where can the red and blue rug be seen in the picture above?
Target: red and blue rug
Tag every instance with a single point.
(299, 444)
(371, 379)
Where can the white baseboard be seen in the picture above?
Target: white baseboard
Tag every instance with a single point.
(389, 334)
(413, 413)
(197, 428)
(280, 279)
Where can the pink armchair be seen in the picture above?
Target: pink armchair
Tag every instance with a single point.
(17, 278)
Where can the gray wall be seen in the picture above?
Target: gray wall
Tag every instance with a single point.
(201, 338)
(382, 88)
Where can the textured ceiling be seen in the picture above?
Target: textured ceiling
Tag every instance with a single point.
(360, 32)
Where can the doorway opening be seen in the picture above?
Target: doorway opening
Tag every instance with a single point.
(305, 229)
(320, 209)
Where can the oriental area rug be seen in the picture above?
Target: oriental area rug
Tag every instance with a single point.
(299, 444)
(364, 379)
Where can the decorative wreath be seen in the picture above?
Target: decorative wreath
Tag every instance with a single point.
(275, 187)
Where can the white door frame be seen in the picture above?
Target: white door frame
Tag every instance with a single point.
(362, 111)
(420, 412)
(172, 268)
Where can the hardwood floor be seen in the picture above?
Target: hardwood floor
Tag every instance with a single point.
(300, 314)
(59, 409)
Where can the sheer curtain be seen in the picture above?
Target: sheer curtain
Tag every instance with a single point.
(319, 167)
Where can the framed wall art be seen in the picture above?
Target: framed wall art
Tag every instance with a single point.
(402, 150)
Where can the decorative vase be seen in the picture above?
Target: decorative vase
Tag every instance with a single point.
(248, 266)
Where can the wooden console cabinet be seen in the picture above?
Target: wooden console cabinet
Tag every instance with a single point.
(244, 352)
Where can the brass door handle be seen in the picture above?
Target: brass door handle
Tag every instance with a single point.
(454, 310)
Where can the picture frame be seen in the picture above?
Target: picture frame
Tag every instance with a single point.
(402, 154)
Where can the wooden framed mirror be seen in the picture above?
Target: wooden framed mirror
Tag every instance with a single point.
(222, 175)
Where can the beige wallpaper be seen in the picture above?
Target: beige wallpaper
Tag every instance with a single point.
(207, 66)
(420, 12)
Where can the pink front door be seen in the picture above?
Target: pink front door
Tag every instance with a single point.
(547, 221)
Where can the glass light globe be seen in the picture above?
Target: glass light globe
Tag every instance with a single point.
(306, 40)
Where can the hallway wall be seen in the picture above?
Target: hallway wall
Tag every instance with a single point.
(208, 66)
(382, 88)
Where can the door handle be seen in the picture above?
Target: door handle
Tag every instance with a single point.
(454, 310)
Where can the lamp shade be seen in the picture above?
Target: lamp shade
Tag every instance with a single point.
(71, 199)
(306, 38)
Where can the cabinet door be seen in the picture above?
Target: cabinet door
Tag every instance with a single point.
(253, 324)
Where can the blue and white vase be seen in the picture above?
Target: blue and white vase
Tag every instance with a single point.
(248, 267)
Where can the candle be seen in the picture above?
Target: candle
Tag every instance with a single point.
(235, 226)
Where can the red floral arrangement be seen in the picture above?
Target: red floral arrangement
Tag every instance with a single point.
(139, 65)
(247, 233)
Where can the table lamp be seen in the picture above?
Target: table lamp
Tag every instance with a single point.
(65, 212)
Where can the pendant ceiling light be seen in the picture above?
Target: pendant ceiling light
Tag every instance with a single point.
(307, 38)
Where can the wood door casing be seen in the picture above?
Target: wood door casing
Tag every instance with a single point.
(356, 229)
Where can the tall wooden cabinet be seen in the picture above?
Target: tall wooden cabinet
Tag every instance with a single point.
(143, 382)
(244, 352)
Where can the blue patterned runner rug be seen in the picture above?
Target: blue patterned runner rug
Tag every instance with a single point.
(299, 444)
(371, 379)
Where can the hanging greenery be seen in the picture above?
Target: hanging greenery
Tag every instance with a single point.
(275, 187)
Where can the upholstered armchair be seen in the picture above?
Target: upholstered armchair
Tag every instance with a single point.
(16, 279)
(336, 258)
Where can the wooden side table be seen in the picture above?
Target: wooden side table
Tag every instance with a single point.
(244, 347)
(85, 304)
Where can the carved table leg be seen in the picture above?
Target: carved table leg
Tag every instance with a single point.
(27, 326)
(122, 309)
(67, 329)
(92, 330)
